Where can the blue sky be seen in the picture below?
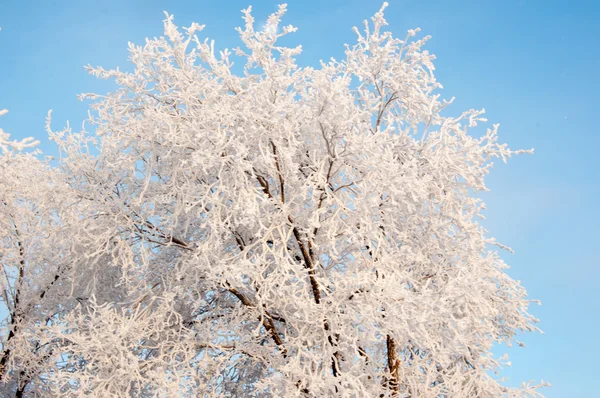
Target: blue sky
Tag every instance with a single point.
(532, 64)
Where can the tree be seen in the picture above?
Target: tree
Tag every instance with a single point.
(272, 231)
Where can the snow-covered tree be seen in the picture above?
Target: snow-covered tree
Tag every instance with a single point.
(32, 257)
(265, 231)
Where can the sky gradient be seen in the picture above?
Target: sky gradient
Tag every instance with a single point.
(532, 64)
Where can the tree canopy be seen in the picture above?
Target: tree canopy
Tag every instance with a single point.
(268, 230)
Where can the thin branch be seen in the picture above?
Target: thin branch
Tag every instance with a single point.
(281, 183)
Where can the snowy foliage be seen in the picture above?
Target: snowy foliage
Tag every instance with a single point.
(6, 144)
(283, 231)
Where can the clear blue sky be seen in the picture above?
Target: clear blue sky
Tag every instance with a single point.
(534, 65)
